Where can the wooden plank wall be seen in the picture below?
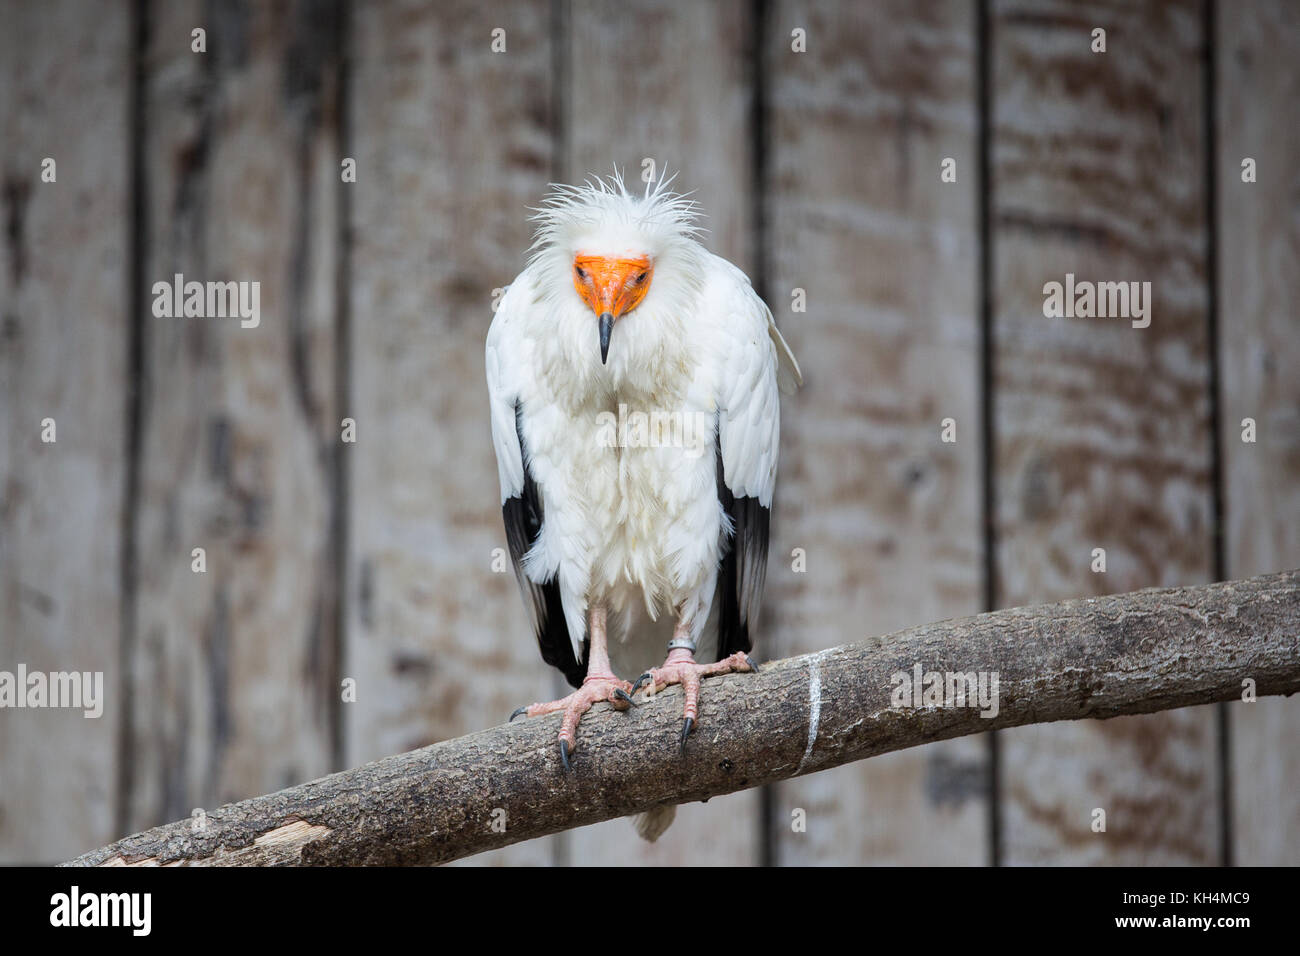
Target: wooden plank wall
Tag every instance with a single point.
(233, 673)
(64, 338)
(887, 514)
(1101, 431)
(819, 171)
(452, 143)
(1259, 355)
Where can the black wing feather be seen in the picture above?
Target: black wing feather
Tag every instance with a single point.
(743, 570)
(523, 521)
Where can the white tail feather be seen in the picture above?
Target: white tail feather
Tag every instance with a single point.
(652, 824)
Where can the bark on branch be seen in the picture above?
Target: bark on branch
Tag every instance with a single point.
(1123, 654)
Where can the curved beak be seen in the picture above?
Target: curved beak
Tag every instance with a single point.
(611, 287)
(606, 327)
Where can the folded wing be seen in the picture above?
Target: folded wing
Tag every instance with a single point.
(756, 366)
(522, 505)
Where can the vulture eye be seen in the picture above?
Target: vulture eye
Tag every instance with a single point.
(581, 272)
(641, 277)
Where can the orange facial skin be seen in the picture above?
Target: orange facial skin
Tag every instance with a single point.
(614, 286)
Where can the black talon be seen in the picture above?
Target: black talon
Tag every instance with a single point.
(752, 666)
(639, 681)
(564, 754)
(521, 710)
(686, 732)
(622, 694)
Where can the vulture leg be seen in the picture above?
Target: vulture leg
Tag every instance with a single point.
(680, 668)
(599, 685)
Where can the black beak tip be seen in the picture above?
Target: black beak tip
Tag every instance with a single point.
(606, 326)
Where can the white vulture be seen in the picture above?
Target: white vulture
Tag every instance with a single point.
(633, 378)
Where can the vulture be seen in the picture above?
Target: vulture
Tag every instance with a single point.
(634, 380)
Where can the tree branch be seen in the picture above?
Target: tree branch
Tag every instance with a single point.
(1123, 654)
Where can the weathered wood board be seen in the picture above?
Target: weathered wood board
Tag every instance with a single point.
(234, 675)
(1257, 46)
(65, 88)
(1101, 430)
(670, 84)
(453, 142)
(886, 513)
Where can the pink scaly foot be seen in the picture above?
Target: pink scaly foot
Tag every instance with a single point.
(681, 668)
(593, 690)
(599, 685)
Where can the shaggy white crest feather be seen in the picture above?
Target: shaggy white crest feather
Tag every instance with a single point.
(602, 213)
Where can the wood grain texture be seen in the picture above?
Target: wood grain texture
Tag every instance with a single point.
(1101, 430)
(1256, 48)
(64, 335)
(887, 513)
(453, 142)
(1101, 657)
(234, 676)
(670, 83)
